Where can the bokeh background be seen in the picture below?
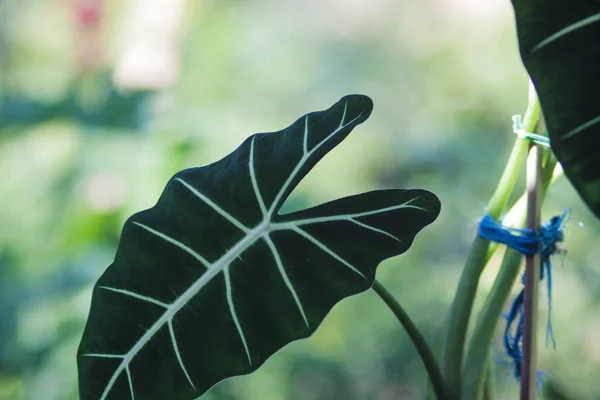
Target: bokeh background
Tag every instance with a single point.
(102, 101)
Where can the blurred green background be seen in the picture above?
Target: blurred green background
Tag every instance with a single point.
(101, 102)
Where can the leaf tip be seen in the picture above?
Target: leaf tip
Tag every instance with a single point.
(361, 101)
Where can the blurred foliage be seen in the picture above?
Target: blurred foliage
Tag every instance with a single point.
(78, 155)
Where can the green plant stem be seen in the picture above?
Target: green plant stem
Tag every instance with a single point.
(499, 200)
(431, 365)
(462, 305)
(492, 309)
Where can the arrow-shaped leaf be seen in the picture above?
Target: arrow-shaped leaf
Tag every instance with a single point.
(560, 46)
(211, 281)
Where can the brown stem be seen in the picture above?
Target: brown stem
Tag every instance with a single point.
(532, 277)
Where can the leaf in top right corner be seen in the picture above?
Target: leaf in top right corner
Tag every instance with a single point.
(559, 42)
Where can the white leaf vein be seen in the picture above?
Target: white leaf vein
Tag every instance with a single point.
(255, 187)
(234, 316)
(214, 206)
(372, 228)
(581, 127)
(100, 355)
(136, 295)
(178, 354)
(334, 218)
(577, 25)
(327, 250)
(177, 243)
(285, 277)
(131, 391)
(305, 137)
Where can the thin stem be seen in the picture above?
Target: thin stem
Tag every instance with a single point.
(486, 324)
(462, 305)
(532, 278)
(498, 296)
(431, 365)
(499, 200)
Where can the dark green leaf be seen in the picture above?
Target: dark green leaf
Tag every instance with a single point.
(212, 280)
(560, 47)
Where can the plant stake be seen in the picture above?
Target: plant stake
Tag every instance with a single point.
(532, 277)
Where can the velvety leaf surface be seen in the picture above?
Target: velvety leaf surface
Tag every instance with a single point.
(212, 280)
(560, 47)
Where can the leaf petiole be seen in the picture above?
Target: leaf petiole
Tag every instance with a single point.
(431, 365)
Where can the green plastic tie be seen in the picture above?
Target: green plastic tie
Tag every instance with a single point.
(519, 131)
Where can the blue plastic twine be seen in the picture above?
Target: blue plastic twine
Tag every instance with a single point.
(527, 242)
